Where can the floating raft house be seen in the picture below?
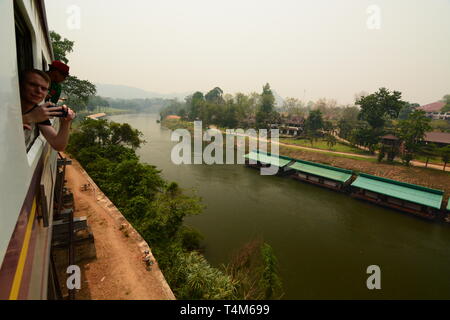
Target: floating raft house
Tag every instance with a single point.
(260, 159)
(412, 198)
(321, 174)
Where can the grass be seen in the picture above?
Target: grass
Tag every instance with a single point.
(322, 145)
(355, 157)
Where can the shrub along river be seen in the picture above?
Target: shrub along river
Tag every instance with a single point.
(324, 240)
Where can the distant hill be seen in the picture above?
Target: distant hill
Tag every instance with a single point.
(126, 92)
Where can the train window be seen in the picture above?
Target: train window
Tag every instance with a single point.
(23, 42)
(24, 47)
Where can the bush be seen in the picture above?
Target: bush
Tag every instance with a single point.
(190, 238)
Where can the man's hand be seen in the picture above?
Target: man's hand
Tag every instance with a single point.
(70, 114)
(42, 113)
(58, 140)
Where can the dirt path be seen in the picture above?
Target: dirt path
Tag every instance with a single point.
(118, 272)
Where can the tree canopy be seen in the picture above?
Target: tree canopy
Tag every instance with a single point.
(61, 47)
(376, 108)
(413, 129)
(77, 91)
(266, 113)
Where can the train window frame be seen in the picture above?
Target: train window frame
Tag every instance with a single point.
(25, 60)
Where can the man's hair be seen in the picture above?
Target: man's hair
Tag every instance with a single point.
(25, 74)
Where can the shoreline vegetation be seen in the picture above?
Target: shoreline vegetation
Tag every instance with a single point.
(427, 177)
(156, 209)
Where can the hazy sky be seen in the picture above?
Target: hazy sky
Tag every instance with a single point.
(311, 49)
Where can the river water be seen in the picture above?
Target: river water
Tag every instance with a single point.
(324, 240)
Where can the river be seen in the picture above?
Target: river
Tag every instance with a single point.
(324, 240)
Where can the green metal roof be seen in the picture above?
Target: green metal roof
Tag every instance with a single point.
(322, 170)
(400, 190)
(267, 158)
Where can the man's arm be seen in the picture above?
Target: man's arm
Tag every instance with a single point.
(59, 140)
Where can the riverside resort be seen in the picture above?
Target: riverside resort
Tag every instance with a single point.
(239, 152)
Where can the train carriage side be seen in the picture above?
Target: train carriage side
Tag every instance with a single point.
(28, 172)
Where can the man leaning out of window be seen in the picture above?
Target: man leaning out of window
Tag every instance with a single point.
(34, 86)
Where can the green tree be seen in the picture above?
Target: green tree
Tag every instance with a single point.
(314, 124)
(270, 280)
(407, 109)
(366, 136)
(412, 130)
(428, 150)
(445, 155)
(125, 134)
(380, 106)
(104, 134)
(266, 113)
(331, 141)
(76, 91)
(195, 104)
(174, 107)
(163, 222)
(197, 280)
(61, 47)
(215, 96)
(347, 122)
(381, 153)
(95, 102)
(254, 269)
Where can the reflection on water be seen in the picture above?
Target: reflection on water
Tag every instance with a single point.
(324, 240)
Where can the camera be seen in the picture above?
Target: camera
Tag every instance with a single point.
(63, 113)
